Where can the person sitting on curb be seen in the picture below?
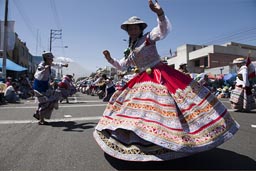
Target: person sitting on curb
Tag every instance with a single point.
(11, 93)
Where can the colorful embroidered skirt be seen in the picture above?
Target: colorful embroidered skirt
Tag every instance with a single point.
(162, 116)
(47, 101)
(242, 99)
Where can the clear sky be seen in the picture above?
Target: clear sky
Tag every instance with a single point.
(89, 27)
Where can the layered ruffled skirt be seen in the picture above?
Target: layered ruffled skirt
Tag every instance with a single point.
(161, 116)
(47, 101)
(242, 99)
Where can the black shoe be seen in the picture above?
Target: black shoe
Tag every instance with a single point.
(43, 123)
(36, 115)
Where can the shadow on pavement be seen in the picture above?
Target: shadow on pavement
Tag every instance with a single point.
(73, 126)
(216, 159)
(251, 112)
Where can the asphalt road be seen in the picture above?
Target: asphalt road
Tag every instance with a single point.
(67, 143)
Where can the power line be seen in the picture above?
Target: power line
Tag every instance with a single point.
(55, 14)
(57, 21)
(244, 35)
(232, 35)
(27, 22)
(24, 16)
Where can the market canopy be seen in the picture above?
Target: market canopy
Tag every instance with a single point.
(12, 66)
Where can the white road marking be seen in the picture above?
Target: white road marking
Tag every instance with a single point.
(83, 105)
(84, 101)
(61, 106)
(66, 117)
(52, 120)
(75, 100)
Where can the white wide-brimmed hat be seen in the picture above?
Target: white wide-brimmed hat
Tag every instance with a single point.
(48, 55)
(238, 61)
(134, 20)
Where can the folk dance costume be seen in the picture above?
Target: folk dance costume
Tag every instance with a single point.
(241, 97)
(46, 96)
(66, 87)
(161, 113)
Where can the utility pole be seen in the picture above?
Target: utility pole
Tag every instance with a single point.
(5, 40)
(54, 34)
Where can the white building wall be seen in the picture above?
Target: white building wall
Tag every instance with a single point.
(182, 55)
(234, 50)
(201, 52)
(186, 53)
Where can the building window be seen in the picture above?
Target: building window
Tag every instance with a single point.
(197, 63)
(206, 61)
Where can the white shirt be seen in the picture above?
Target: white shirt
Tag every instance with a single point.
(43, 73)
(158, 33)
(9, 90)
(243, 71)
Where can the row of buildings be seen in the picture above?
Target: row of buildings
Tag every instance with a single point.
(215, 59)
(20, 55)
(17, 52)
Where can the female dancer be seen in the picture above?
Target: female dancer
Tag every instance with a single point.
(47, 97)
(241, 97)
(161, 113)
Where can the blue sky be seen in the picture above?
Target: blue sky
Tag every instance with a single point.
(89, 27)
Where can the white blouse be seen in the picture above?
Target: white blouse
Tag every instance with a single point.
(243, 74)
(145, 53)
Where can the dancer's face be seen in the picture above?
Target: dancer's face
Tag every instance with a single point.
(134, 31)
(49, 61)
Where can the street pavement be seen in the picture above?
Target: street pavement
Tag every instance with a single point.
(67, 142)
